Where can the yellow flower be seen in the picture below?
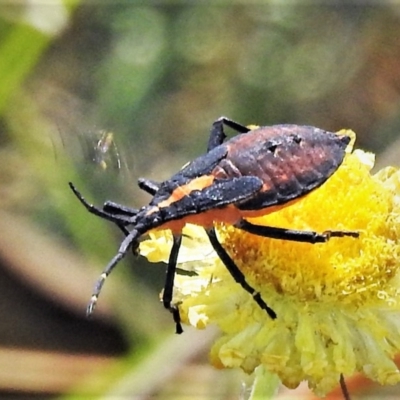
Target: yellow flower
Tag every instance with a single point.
(337, 303)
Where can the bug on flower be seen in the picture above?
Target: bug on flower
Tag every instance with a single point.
(255, 173)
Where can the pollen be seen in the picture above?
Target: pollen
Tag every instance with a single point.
(353, 270)
(337, 303)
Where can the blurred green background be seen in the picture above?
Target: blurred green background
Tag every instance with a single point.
(156, 75)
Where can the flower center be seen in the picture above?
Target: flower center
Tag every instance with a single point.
(353, 270)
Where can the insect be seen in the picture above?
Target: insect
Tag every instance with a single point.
(105, 151)
(254, 173)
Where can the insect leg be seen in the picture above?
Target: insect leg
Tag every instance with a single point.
(236, 273)
(148, 186)
(97, 211)
(115, 209)
(169, 282)
(291, 234)
(343, 386)
(217, 134)
(123, 249)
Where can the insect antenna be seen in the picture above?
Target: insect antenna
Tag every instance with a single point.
(127, 243)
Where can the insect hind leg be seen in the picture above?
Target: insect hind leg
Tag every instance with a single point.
(217, 134)
(236, 273)
(291, 234)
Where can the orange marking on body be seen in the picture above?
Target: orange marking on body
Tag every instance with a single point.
(184, 190)
(228, 215)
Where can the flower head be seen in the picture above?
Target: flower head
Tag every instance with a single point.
(337, 303)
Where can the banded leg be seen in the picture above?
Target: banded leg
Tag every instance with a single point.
(169, 282)
(291, 234)
(237, 275)
(217, 134)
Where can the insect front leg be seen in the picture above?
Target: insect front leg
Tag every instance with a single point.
(119, 209)
(118, 218)
(217, 134)
(291, 234)
(237, 275)
(148, 186)
(169, 282)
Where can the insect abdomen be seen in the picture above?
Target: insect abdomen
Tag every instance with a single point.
(291, 160)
